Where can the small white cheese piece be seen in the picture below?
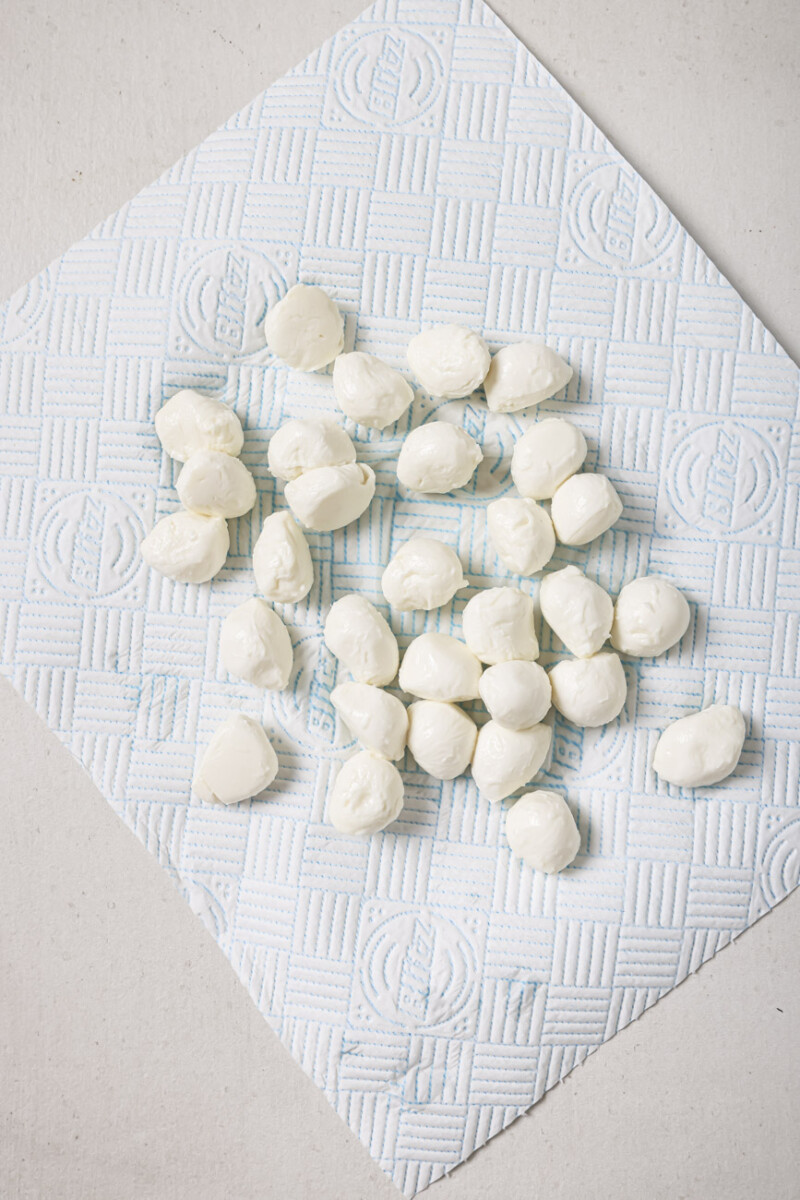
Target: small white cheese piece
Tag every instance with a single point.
(650, 616)
(507, 759)
(305, 328)
(577, 609)
(215, 485)
(331, 497)
(449, 361)
(541, 830)
(524, 374)
(498, 625)
(702, 748)
(589, 691)
(439, 667)
(441, 738)
(360, 637)
(522, 534)
(254, 645)
(282, 560)
(546, 454)
(304, 443)
(583, 507)
(516, 694)
(367, 795)
(375, 718)
(187, 547)
(369, 391)
(423, 574)
(189, 422)
(239, 762)
(437, 457)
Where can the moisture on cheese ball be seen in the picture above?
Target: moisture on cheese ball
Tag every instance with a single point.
(329, 498)
(437, 457)
(439, 667)
(522, 534)
(589, 691)
(498, 625)
(424, 573)
(441, 738)
(369, 391)
(516, 694)
(524, 374)
(541, 830)
(238, 763)
(583, 507)
(187, 547)
(375, 718)
(282, 561)
(189, 422)
(360, 638)
(215, 485)
(507, 759)
(702, 748)
(305, 443)
(367, 795)
(254, 645)
(546, 454)
(449, 361)
(577, 609)
(305, 328)
(650, 616)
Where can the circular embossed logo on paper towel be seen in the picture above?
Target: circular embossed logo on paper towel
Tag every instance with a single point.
(780, 867)
(87, 543)
(224, 299)
(389, 78)
(616, 220)
(24, 310)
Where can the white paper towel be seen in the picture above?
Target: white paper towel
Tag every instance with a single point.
(424, 167)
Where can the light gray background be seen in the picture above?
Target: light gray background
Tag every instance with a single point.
(132, 1063)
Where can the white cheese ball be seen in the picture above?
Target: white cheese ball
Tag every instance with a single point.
(522, 534)
(507, 759)
(375, 719)
(449, 361)
(441, 738)
(423, 574)
(360, 637)
(305, 443)
(215, 485)
(439, 667)
(541, 830)
(254, 645)
(498, 625)
(331, 497)
(282, 560)
(546, 454)
(189, 422)
(650, 616)
(187, 547)
(589, 691)
(238, 763)
(437, 457)
(701, 749)
(583, 507)
(524, 374)
(367, 795)
(577, 609)
(305, 329)
(369, 391)
(516, 694)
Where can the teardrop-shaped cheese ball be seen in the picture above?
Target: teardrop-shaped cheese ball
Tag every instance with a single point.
(541, 830)
(439, 667)
(254, 645)
(584, 507)
(650, 616)
(524, 374)
(441, 738)
(282, 560)
(369, 391)
(423, 574)
(375, 718)
(516, 694)
(331, 497)
(507, 759)
(367, 795)
(437, 457)
(577, 609)
(189, 422)
(305, 329)
(305, 443)
(546, 454)
(215, 485)
(589, 691)
(522, 534)
(187, 547)
(449, 361)
(498, 625)
(360, 638)
(702, 748)
(239, 762)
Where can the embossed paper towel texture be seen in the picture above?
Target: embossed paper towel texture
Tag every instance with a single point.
(424, 167)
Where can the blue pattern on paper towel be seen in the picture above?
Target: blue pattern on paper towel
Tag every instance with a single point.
(424, 167)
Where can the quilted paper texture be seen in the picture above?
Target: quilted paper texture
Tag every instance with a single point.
(423, 167)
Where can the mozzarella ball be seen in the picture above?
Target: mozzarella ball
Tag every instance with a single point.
(441, 738)
(650, 616)
(305, 328)
(541, 830)
(589, 691)
(369, 391)
(437, 457)
(506, 759)
(215, 485)
(498, 625)
(305, 443)
(189, 422)
(423, 574)
(521, 533)
(254, 645)
(366, 796)
(439, 667)
(187, 547)
(449, 361)
(584, 507)
(331, 497)
(701, 749)
(360, 637)
(376, 719)
(546, 454)
(239, 762)
(282, 560)
(577, 610)
(516, 694)
(524, 374)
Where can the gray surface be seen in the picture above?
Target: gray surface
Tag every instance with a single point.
(133, 1064)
